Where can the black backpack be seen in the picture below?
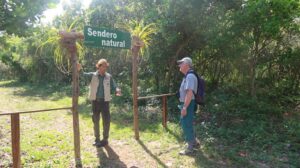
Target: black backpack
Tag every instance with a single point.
(199, 96)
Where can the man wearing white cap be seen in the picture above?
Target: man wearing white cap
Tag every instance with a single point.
(187, 104)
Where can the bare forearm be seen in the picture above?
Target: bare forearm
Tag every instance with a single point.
(187, 101)
(188, 98)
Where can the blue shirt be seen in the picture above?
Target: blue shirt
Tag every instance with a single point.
(188, 82)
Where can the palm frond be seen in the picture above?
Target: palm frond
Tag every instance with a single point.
(143, 32)
(60, 53)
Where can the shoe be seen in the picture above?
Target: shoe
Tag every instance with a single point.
(102, 143)
(196, 145)
(187, 151)
(97, 142)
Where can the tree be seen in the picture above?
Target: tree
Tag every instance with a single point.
(73, 19)
(17, 16)
(259, 25)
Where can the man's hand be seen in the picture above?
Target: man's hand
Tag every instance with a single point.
(118, 92)
(79, 67)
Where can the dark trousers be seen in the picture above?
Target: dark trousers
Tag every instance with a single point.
(100, 106)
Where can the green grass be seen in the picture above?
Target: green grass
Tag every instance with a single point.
(47, 137)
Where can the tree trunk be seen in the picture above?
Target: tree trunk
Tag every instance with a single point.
(253, 61)
(135, 52)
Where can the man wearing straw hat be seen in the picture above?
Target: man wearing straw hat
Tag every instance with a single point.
(100, 88)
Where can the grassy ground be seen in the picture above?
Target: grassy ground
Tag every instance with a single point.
(47, 138)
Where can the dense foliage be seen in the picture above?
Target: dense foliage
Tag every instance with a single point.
(247, 50)
(18, 16)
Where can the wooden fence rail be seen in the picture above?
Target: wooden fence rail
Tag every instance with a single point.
(164, 105)
(34, 111)
(15, 124)
(15, 132)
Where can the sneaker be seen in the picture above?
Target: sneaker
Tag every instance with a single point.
(186, 151)
(102, 143)
(196, 145)
(97, 142)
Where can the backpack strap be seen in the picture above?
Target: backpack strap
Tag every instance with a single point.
(191, 71)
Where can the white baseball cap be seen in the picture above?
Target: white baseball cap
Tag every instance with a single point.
(186, 60)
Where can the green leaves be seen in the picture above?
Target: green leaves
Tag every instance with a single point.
(17, 16)
(60, 54)
(142, 31)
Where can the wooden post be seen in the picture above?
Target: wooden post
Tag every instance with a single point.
(164, 111)
(135, 51)
(15, 139)
(137, 43)
(68, 40)
(75, 94)
(166, 114)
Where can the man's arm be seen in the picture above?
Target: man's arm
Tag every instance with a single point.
(113, 85)
(82, 73)
(187, 101)
(115, 88)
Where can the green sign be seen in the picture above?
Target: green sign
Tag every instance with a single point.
(102, 37)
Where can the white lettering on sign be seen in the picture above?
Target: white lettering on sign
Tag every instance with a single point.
(111, 43)
(103, 37)
(103, 33)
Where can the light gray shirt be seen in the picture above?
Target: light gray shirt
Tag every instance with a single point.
(188, 82)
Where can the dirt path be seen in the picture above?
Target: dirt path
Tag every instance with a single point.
(122, 154)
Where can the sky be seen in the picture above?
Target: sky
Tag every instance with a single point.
(50, 14)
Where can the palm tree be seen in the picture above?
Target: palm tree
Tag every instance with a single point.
(60, 54)
(141, 33)
(141, 39)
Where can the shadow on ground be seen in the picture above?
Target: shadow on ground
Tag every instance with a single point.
(162, 164)
(109, 158)
(201, 158)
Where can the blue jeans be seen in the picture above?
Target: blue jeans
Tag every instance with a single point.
(186, 122)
